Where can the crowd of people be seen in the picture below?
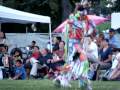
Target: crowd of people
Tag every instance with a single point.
(102, 53)
(81, 44)
(40, 62)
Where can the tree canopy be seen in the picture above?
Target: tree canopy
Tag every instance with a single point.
(58, 10)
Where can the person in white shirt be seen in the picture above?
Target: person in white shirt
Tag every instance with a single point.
(3, 39)
(92, 50)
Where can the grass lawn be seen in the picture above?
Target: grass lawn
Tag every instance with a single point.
(48, 85)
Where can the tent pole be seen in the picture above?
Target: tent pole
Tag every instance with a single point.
(0, 27)
(50, 33)
(26, 29)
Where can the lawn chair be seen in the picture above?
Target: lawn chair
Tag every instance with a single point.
(108, 73)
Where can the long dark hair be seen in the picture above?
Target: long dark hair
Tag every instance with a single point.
(4, 35)
(16, 50)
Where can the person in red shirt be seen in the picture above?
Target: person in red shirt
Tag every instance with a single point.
(60, 53)
(36, 52)
(34, 61)
(58, 57)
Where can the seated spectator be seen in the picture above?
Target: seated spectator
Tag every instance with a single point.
(1, 54)
(5, 57)
(20, 73)
(53, 61)
(116, 73)
(16, 55)
(115, 69)
(58, 56)
(4, 62)
(105, 61)
(34, 61)
(113, 40)
(33, 44)
(106, 55)
(61, 50)
(36, 52)
(43, 60)
(92, 50)
(100, 39)
(56, 42)
(45, 56)
(3, 39)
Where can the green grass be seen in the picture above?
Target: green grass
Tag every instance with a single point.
(48, 85)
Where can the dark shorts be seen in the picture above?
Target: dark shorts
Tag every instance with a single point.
(105, 66)
(57, 64)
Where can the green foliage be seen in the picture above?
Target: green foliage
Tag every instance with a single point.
(10, 3)
(116, 7)
(54, 9)
(73, 2)
(104, 26)
(42, 7)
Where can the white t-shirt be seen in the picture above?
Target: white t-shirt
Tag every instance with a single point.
(4, 41)
(93, 49)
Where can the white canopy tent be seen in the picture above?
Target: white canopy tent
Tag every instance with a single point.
(115, 20)
(8, 15)
(12, 15)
